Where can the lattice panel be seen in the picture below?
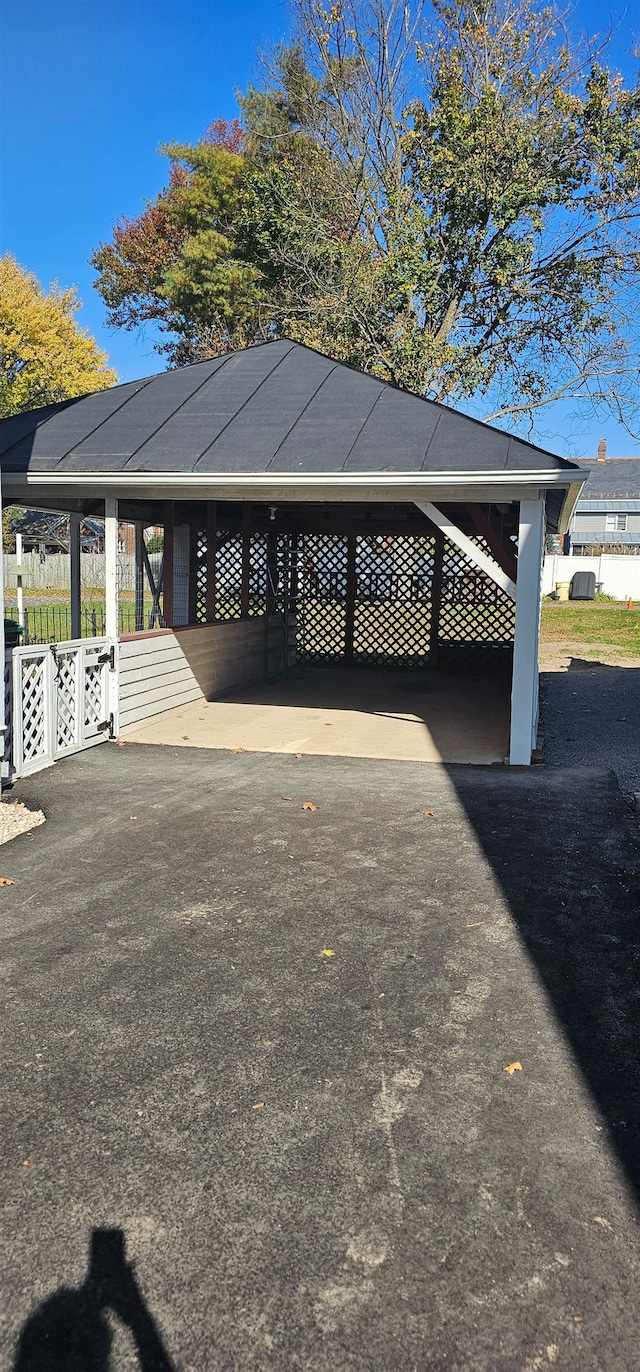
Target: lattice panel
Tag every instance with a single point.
(322, 589)
(258, 574)
(94, 707)
(392, 616)
(198, 577)
(66, 696)
(8, 709)
(477, 618)
(33, 682)
(228, 575)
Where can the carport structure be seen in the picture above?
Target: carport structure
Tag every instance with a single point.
(311, 512)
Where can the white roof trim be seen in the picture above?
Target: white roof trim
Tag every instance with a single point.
(265, 480)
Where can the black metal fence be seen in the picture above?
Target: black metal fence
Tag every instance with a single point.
(52, 623)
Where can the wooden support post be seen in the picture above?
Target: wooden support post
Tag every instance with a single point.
(293, 574)
(139, 575)
(350, 599)
(212, 547)
(504, 553)
(246, 559)
(524, 689)
(111, 567)
(436, 598)
(167, 575)
(272, 572)
(74, 574)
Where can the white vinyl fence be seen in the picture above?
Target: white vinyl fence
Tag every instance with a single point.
(52, 572)
(616, 575)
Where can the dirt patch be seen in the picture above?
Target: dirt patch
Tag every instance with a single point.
(556, 657)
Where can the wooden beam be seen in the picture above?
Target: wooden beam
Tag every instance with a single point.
(246, 560)
(503, 552)
(469, 548)
(212, 546)
(139, 576)
(167, 579)
(436, 599)
(271, 571)
(350, 603)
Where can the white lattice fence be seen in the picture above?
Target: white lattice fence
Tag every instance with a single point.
(60, 701)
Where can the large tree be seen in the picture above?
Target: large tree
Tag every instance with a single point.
(445, 194)
(44, 354)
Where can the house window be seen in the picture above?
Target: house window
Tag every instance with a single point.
(616, 523)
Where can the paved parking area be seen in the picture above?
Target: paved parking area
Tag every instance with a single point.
(258, 1051)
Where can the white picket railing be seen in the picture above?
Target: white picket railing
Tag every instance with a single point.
(58, 701)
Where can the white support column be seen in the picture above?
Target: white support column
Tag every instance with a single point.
(74, 573)
(111, 567)
(524, 689)
(19, 586)
(4, 722)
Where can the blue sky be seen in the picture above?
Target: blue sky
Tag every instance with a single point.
(90, 88)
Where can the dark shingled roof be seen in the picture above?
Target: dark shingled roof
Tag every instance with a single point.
(277, 408)
(615, 478)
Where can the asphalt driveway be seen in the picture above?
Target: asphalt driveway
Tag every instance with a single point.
(258, 1052)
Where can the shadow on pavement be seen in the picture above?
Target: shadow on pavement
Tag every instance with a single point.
(70, 1331)
(572, 888)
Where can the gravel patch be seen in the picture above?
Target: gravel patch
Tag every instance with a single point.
(16, 818)
(591, 714)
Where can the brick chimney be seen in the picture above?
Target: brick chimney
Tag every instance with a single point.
(602, 450)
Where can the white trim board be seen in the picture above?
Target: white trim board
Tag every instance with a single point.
(469, 548)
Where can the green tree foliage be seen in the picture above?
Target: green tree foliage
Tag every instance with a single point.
(446, 195)
(44, 355)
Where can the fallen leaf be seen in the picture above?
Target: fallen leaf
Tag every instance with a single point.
(237, 750)
(185, 735)
(577, 1319)
(428, 812)
(8, 881)
(259, 1105)
(308, 805)
(26, 1163)
(286, 797)
(297, 754)
(327, 953)
(121, 743)
(599, 1219)
(513, 1067)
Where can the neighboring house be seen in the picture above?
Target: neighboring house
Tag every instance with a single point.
(49, 533)
(606, 518)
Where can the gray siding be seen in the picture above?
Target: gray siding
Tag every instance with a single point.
(221, 656)
(154, 675)
(160, 671)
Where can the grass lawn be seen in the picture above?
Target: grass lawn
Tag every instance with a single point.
(604, 625)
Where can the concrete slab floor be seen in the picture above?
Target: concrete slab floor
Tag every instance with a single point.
(318, 1163)
(419, 717)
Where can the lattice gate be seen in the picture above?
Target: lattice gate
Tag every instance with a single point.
(373, 600)
(59, 701)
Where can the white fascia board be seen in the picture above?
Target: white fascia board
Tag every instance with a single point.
(484, 487)
(265, 480)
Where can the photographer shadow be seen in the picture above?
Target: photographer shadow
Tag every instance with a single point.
(70, 1331)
